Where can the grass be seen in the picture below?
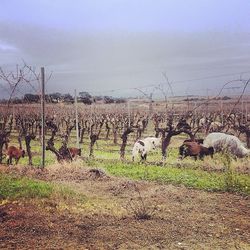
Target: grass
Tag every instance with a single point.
(190, 177)
(13, 187)
(210, 174)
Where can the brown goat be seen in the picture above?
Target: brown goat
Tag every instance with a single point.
(199, 141)
(74, 152)
(195, 149)
(14, 152)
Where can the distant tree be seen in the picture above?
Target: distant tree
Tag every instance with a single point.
(85, 100)
(120, 100)
(68, 98)
(226, 98)
(85, 94)
(31, 98)
(17, 100)
(97, 98)
(55, 97)
(108, 99)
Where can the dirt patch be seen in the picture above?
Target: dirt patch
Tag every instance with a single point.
(184, 219)
(26, 226)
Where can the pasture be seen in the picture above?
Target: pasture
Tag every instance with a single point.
(103, 200)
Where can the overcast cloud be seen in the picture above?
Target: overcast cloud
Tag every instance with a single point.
(103, 45)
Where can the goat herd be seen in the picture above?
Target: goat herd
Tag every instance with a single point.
(198, 148)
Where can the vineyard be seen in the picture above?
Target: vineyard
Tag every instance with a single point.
(125, 125)
(115, 127)
(100, 182)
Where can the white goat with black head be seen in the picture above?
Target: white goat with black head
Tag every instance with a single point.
(144, 146)
(226, 143)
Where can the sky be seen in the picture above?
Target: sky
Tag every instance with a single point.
(114, 47)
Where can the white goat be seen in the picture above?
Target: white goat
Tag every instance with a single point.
(226, 143)
(142, 147)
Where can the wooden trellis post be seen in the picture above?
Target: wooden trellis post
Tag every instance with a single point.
(43, 115)
(77, 127)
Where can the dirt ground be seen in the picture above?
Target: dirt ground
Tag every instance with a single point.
(181, 218)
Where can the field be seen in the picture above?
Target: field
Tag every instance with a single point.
(87, 211)
(103, 201)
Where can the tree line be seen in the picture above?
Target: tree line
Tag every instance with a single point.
(83, 97)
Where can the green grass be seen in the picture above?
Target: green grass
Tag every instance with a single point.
(194, 178)
(13, 187)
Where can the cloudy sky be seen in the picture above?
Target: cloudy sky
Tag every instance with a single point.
(103, 45)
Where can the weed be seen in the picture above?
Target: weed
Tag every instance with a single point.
(139, 208)
(232, 180)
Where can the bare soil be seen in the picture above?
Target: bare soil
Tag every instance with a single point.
(181, 218)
